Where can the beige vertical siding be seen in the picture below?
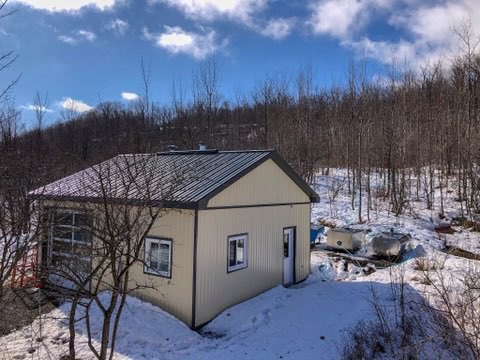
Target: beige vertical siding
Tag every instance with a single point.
(217, 289)
(266, 184)
(173, 295)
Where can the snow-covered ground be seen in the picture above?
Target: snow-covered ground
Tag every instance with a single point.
(305, 321)
(417, 220)
(302, 322)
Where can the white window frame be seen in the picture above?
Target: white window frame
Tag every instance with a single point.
(147, 245)
(71, 228)
(233, 241)
(71, 258)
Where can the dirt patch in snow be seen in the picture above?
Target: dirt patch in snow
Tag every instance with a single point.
(452, 250)
(361, 262)
(15, 314)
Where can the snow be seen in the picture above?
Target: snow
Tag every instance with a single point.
(418, 221)
(297, 322)
(304, 321)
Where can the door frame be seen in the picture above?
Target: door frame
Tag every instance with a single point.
(294, 255)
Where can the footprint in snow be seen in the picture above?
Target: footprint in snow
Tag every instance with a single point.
(266, 316)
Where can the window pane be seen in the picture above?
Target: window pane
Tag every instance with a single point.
(59, 246)
(81, 235)
(164, 257)
(286, 239)
(232, 258)
(82, 220)
(62, 232)
(63, 218)
(154, 264)
(240, 251)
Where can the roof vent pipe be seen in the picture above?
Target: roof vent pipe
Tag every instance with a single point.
(171, 148)
(202, 147)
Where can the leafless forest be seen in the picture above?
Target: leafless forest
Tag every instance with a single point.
(416, 121)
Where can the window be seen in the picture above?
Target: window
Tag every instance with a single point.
(158, 257)
(70, 242)
(71, 226)
(237, 252)
(286, 245)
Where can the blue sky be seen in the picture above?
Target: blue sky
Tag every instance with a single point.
(82, 52)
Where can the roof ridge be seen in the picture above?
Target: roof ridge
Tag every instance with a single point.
(195, 152)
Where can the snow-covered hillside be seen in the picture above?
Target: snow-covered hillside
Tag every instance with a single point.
(306, 321)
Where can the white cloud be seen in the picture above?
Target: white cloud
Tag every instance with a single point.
(77, 37)
(175, 40)
(384, 51)
(278, 28)
(33, 107)
(130, 96)
(88, 35)
(343, 18)
(67, 39)
(74, 105)
(336, 18)
(66, 5)
(118, 26)
(434, 24)
(430, 29)
(213, 9)
(244, 12)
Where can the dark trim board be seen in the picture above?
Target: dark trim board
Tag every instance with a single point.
(255, 206)
(115, 201)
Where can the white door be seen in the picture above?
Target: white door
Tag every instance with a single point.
(288, 255)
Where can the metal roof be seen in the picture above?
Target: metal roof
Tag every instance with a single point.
(184, 179)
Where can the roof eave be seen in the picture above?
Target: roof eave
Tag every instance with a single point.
(168, 204)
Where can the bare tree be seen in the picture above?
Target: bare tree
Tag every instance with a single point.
(206, 92)
(7, 58)
(18, 216)
(40, 104)
(108, 233)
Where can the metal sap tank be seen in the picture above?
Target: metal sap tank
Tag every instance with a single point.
(389, 243)
(345, 239)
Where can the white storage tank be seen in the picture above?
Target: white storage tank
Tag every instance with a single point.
(345, 239)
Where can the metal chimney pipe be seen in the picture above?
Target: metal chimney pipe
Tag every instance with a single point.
(202, 147)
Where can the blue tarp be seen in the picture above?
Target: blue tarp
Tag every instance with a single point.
(314, 231)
